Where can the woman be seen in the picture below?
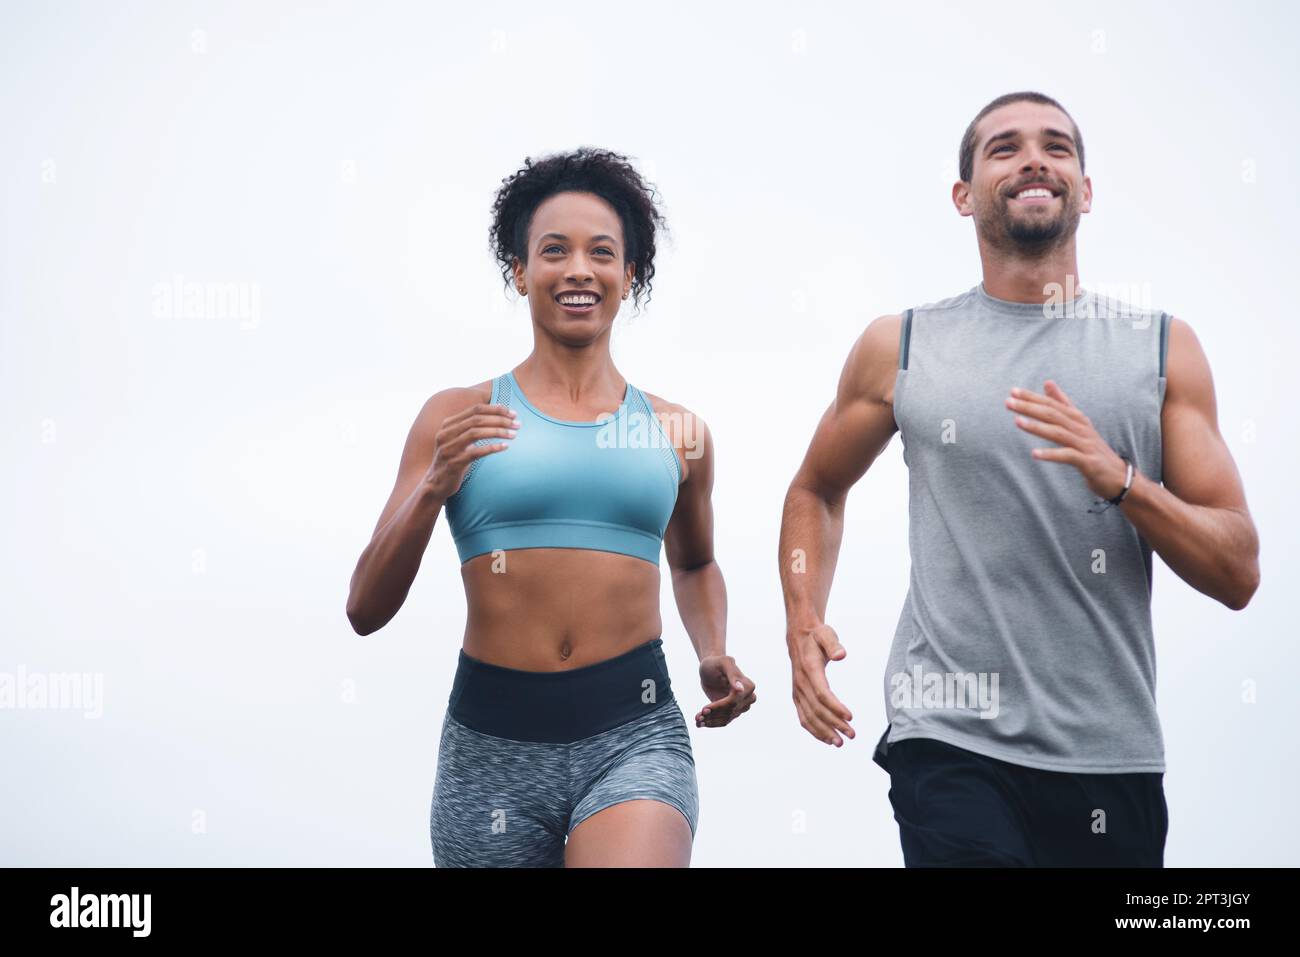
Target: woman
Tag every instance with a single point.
(561, 722)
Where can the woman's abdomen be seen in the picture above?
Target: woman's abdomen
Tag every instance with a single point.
(545, 609)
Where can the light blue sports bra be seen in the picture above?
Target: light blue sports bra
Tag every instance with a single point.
(608, 485)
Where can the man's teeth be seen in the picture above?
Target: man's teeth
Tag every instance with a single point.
(578, 300)
(1031, 193)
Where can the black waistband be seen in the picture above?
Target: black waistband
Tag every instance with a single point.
(560, 707)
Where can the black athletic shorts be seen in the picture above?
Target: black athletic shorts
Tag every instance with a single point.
(956, 808)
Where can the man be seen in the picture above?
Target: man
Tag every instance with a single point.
(1038, 422)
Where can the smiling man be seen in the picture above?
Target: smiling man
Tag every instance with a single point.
(1053, 438)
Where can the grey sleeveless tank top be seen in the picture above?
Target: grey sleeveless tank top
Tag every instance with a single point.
(1026, 632)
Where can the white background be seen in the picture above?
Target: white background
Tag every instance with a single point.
(185, 499)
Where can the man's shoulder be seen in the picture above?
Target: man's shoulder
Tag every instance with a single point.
(882, 346)
(941, 306)
(1126, 304)
(874, 359)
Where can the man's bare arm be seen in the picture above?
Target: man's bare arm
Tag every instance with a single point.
(1198, 522)
(852, 432)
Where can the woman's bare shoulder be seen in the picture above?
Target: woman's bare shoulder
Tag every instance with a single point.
(444, 404)
(684, 428)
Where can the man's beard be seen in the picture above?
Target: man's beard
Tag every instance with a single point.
(1033, 236)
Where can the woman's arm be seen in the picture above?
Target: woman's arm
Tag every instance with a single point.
(698, 586)
(438, 452)
(697, 580)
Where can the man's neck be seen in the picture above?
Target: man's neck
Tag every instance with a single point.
(1053, 275)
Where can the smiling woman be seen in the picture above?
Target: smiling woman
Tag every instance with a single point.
(600, 174)
(559, 532)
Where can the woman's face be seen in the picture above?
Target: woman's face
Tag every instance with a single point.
(575, 245)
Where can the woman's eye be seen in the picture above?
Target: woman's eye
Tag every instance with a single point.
(600, 249)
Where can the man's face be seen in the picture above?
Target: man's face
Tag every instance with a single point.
(1027, 191)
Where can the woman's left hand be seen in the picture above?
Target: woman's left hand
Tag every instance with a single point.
(730, 692)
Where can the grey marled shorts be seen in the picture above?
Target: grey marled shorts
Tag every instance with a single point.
(504, 803)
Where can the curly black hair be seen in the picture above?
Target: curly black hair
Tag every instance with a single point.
(587, 169)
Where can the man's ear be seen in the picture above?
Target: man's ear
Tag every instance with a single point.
(1086, 206)
(961, 198)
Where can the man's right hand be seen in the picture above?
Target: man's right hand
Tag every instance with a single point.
(820, 712)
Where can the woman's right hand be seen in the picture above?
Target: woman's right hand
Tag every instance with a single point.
(454, 445)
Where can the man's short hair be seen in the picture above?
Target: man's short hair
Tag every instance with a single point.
(966, 158)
